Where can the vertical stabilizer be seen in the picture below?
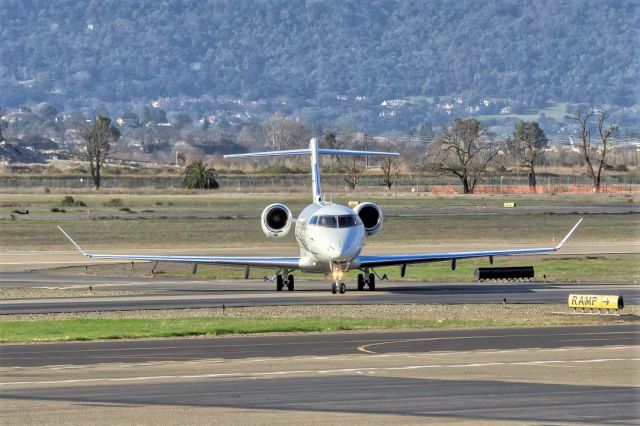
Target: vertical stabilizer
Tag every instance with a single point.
(315, 152)
(315, 171)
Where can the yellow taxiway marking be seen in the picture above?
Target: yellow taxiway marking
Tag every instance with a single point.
(345, 357)
(365, 348)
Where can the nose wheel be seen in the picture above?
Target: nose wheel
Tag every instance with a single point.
(338, 287)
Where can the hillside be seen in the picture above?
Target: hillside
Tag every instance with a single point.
(77, 54)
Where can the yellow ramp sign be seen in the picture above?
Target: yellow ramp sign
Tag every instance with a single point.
(595, 301)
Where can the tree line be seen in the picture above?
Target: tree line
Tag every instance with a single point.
(462, 149)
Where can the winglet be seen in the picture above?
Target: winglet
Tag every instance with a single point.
(564, 240)
(74, 243)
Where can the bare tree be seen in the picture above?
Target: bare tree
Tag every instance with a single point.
(98, 139)
(331, 142)
(283, 132)
(354, 172)
(528, 146)
(390, 169)
(458, 150)
(595, 158)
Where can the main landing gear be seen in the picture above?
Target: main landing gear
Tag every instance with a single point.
(281, 282)
(370, 282)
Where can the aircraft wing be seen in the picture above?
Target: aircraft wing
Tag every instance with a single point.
(267, 262)
(403, 259)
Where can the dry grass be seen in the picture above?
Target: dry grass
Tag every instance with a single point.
(123, 232)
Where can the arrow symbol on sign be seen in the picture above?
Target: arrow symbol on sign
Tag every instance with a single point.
(606, 301)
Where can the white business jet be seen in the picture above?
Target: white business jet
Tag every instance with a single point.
(330, 236)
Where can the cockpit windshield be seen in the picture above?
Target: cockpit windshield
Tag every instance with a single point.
(347, 221)
(327, 221)
(342, 221)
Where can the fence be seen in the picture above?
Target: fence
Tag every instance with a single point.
(405, 183)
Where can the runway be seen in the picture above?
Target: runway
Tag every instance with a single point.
(174, 293)
(549, 375)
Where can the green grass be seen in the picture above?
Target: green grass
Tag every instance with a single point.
(608, 269)
(100, 329)
(555, 268)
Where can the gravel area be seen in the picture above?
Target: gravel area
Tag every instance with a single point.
(47, 293)
(518, 314)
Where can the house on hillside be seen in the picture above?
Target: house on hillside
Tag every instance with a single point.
(127, 121)
(393, 102)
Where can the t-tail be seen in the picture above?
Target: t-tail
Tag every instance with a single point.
(315, 152)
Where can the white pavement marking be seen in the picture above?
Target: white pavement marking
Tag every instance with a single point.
(369, 370)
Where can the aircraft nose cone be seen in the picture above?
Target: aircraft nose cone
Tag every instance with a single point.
(335, 254)
(347, 250)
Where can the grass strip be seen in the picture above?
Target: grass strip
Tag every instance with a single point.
(103, 329)
(556, 269)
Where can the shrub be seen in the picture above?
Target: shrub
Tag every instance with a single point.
(68, 201)
(198, 176)
(114, 202)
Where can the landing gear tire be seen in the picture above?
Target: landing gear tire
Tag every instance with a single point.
(334, 288)
(290, 283)
(279, 282)
(343, 288)
(360, 282)
(372, 282)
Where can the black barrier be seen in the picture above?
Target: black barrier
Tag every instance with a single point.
(511, 273)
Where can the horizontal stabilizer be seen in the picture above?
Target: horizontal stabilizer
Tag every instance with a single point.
(307, 151)
(304, 151)
(314, 151)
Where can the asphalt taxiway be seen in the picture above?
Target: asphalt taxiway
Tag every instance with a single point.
(551, 375)
(175, 293)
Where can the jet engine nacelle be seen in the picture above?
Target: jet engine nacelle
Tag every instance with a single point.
(276, 220)
(371, 217)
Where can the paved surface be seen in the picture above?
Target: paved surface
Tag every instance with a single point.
(556, 375)
(82, 353)
(183, 293)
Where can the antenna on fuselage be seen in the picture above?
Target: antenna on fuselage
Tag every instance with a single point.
(315, 152)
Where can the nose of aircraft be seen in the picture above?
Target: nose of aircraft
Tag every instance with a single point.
(346, 247)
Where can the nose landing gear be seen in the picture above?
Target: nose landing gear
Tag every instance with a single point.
(338, 287)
